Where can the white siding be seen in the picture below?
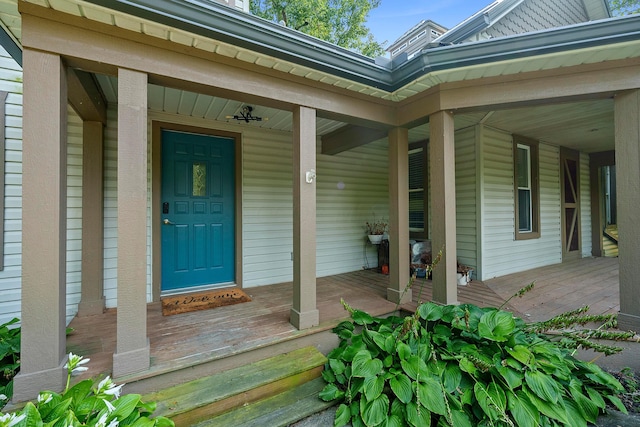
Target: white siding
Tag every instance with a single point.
(362, 173)
(111, 208)
(10, 276)
(466, 212)
(351, 188)
(585, 206)
(74, 213)
(502, 254)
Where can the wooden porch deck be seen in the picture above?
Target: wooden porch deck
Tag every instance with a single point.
(563, 287)
(186, 341)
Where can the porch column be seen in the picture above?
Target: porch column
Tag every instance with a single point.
(443, 206)
(44, 228)
(627, 135)
(132, 348)
(92, 300)
(304, 313)
(399, 216)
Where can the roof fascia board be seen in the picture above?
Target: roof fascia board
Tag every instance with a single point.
(238, 28)
(219, 22)
(580, 36)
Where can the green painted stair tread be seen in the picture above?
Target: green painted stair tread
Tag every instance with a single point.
(186, 397)
(280, 410)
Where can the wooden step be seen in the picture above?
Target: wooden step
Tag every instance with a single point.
(204, 398)
(278, 411)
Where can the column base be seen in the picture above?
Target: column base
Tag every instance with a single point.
(27, 386)
(399, 297)
(628, 322)
(90, 308)
(305, 320)
(131, 362)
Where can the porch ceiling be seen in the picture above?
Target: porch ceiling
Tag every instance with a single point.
(586, 126)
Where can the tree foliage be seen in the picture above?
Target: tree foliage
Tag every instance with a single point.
(341, 22)
(624, 7)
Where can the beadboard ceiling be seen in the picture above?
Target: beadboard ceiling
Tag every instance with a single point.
(586, 126)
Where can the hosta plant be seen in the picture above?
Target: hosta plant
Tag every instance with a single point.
(459, 366)
(9, 358)
(87, 403)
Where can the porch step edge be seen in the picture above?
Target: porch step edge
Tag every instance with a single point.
(280, 410)
(222, 391)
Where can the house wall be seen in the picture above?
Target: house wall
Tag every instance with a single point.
(585, 207)
(466, 206)
(10, 276)
(533, 15)
(351, 187)
(502, 254)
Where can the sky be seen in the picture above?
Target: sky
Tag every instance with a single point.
(393, 18)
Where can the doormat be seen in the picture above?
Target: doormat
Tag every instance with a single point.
(202, 301)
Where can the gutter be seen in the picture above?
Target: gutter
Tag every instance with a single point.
(213, 20)
(216, 21)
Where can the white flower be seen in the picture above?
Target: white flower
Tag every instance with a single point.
(9, 420)
(108, 387)
(102, 420)
(110, 407)
(3, 397)
(44, 397)
(74, 362)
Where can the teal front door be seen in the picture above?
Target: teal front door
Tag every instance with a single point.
(198, 210)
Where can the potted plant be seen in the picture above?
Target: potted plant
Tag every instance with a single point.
(464, 274)
(376, 229)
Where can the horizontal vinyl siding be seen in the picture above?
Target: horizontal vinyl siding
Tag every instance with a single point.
(502, 254)
(267, 203)
(362, 173)
(74, 213)
(585, 206)
(466, 212)
(111, 209)
(267, 207)
(351, 188)
(10, 276)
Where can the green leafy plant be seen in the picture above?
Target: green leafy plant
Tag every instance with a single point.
(87, 403)
(9, 358)
(459, 366)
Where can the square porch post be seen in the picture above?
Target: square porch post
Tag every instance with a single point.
(92, 300)
(132, 348)
(399, 259)
(304, 313)
(44, 229)
(627, 143)
(443, 206)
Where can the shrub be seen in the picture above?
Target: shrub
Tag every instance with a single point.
(87, 403)
(459, 366)
(9, 358)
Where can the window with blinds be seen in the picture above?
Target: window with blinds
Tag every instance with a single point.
(417, 174)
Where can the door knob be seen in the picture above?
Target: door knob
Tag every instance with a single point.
(167, 222)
